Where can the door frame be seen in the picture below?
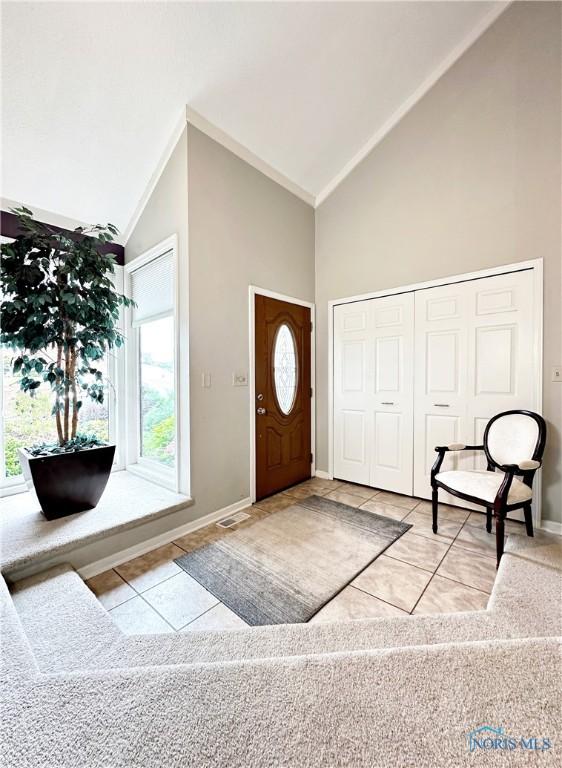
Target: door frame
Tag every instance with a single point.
(254, 291)
(536, 265)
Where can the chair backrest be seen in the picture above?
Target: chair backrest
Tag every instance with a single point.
(513, 436)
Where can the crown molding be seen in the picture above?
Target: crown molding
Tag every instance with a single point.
(218, 135)
(413, 99)
(154, 179)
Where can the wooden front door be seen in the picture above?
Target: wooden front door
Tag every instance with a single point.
(283, 395)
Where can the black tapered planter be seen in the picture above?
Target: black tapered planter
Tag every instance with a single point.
(66, 483)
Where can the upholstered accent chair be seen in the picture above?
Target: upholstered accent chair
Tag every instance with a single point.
(513, 444)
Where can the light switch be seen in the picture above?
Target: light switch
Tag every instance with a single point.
(240, 379)
(206, 380)
(557, 373)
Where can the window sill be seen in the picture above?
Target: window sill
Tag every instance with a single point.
(150, 471)
(18, 485)
(12, 489)
(27, 537)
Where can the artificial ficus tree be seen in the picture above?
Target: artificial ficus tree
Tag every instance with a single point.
(60, 313)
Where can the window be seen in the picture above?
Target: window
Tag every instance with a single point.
(152, 375)
(140, 413)
(156, 379)
(25, 421)
(28, 420)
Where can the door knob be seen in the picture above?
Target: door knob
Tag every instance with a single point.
(261, 411)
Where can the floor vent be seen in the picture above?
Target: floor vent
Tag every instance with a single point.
(228, 522)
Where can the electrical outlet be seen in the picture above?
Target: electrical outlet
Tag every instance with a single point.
(206, 380)
(240, 379)
(557, 373)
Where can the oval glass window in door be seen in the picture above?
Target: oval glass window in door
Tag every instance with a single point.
(285, 368)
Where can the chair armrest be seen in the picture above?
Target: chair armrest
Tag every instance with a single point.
(526, 468)
(443, 449)
(529, 464)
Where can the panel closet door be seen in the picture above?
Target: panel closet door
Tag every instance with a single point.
(392, 452)
(373, 392)
(441, 358)
(474, 343)
(352, 400)
(500, 350)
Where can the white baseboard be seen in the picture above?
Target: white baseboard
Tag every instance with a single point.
(551, 527)
(323, 475)
(118, 558)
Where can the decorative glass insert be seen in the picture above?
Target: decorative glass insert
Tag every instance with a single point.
(285, 368)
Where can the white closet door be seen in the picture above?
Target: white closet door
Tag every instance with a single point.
(440, 400)
(352, 435)
(473, 343)
(500, 348)
(393, 393)
(373, 392)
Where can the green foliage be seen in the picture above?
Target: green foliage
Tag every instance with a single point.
(29, 420)
(156, 407)
(11, 457)
(158, 444)
(158, 426)
(59, 313)
(78, 443)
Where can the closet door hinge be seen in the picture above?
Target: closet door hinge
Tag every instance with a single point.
(311, 392)
(311, 458)
(311, 327)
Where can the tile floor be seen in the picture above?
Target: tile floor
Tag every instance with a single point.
(420, 573)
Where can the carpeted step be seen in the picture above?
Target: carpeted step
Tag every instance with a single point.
(62, 619)
(17, 660)
(401, 707)
(527, 586)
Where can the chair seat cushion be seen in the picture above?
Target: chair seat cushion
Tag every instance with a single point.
(484, 485)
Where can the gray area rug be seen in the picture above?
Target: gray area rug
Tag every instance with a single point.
(285, 567)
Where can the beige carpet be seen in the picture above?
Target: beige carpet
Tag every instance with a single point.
(28, 538)
(284, 568)
(320, 696)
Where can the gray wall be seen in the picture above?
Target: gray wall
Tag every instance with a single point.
(243, 229)
(165, 213)
(469, 179)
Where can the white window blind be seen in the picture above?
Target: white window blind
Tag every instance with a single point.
(152, 289)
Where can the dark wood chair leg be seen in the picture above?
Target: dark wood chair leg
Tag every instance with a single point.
(489, 519)
(434, 507)
(500, 526)
(528, 519)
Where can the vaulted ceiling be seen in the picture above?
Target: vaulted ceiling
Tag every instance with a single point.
(92, 91)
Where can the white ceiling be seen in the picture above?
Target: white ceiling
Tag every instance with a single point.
(93, 91)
